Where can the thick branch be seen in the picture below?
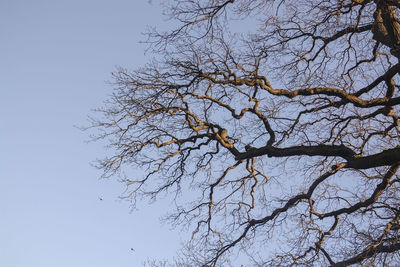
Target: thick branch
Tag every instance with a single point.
(384, 158)
(368, 254)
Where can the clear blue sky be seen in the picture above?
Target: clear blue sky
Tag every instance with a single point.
(55, 56)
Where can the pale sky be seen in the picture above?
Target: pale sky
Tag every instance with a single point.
(55, 56)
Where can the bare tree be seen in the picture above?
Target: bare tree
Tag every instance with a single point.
(275, 126)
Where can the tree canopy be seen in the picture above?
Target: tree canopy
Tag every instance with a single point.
(274, 124)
